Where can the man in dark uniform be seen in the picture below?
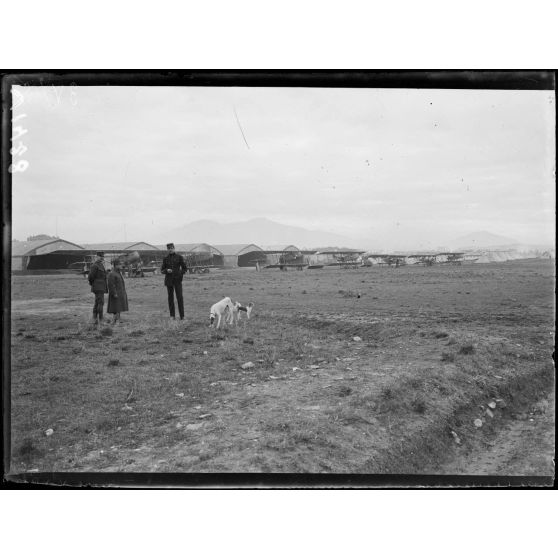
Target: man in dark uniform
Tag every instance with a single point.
(174, 267)
(98, 280)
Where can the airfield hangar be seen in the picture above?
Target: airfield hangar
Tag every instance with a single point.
(49, 255)
(59, 255)
(239, 255)
(242, 255)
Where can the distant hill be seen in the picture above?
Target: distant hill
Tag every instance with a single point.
(257, 231)
(482, 239)
(495, 248)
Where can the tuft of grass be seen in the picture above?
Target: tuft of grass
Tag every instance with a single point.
(416, 383)
(302, 438)
(26, 449)
(418, 404)
(106, 331)
(468, 349)
(344, 391)
(387, 393)
(447, 357)
(229, 350)
(270, 358)
(279, 426)
(441, 334)
(104, 425)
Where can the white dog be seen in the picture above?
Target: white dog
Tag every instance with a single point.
(236, 310)
(219, 310)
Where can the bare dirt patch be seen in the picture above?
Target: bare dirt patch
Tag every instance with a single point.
(48, 306)
(523, 445)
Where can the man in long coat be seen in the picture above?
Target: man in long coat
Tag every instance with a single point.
(117, 299)
(174, 268)
(98, 280)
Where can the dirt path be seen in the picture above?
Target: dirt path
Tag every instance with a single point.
(523, 447)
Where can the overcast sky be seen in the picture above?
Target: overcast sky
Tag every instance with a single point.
(404, 167)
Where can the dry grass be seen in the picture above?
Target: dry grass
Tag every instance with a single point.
(175, 397)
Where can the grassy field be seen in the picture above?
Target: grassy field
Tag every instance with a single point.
(355, 371)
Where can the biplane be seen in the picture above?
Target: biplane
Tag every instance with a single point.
(132, 264)
(471, 257)
(451, 258)
(198, 262)
(346, 259)
(423, 259)
(283, 259)
(83, 267)
(396, 260)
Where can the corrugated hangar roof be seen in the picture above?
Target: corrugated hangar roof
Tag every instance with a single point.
(198, 247)
(340, 252)
(118, 246)
(237, 249)
(276, 248)
(37, 247)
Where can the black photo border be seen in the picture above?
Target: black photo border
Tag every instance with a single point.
(410, 79)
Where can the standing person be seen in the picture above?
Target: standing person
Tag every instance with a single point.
(117, 299)
(174, 268)
(98, 280)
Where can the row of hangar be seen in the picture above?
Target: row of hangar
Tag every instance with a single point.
(57, 255)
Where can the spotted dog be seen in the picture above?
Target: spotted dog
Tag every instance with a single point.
(237, 309)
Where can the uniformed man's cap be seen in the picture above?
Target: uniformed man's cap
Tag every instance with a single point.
(170, 245)
(101, 254)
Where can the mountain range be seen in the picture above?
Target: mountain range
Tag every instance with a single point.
(260, 231)
(265, 232)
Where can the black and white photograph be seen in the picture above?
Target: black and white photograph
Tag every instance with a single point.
(316, 274)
